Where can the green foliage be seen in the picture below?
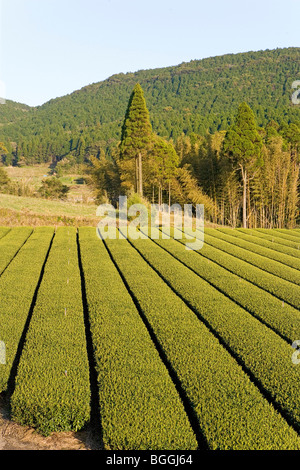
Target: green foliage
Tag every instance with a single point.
(269, 249)
(139, 405)
(136, 142)
(289, 237)
(185, 190)
(136, 131)
(200, 96)
(4, 180)
(53, 188)
(163, 164)
(260, 303)
(105, 179)
(3, 231)
(17, 286)
(261, 352)
(242, 141)
(216, 386)
(242, 146)
(255, 255)
(52, 391)
(13, 112)
(234, 260)
(220, 316)
(11, 243)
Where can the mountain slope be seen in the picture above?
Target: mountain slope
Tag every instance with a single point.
(198, 96)
(11, 112)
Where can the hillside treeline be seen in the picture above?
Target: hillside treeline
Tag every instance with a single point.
(221, 131)
(196, 97)
(247, 175)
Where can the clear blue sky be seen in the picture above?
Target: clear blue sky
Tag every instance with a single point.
(52, 47)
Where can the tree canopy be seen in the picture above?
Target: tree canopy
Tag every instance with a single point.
(194, 97)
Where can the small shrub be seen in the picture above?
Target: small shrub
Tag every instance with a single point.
(53, 188)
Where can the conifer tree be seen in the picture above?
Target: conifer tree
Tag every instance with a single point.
(243, 146)
(136, 138)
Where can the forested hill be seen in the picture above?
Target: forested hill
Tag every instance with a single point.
(198, 96)
(11, 112)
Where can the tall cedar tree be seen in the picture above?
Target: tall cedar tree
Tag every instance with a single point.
(243, 146)
(136, 138)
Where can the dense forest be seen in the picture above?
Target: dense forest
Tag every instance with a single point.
(222, 131)
(246, 175)
(196, 97)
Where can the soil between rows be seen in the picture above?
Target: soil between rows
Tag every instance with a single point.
(16, 437)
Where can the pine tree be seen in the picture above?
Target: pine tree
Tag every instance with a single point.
(136, 138)
(80, 154)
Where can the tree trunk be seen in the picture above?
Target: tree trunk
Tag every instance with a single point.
(137, 175)
(244, 176)
(140, 176)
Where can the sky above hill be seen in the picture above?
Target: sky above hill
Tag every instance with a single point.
(49, 48)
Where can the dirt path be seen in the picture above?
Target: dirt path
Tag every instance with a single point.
(16, 437)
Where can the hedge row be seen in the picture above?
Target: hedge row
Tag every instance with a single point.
(272, 236)
(268, 274)
(266, 356)
(288, 234)
(234, 246)
(281, 317)
(52, 391)
(284, 290)
(4, 231)
(231, 411)
(11, 243)
(286, 253)
(270, 253)
(17, 287)
(139, 404)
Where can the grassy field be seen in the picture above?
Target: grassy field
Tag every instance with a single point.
(193, 347)
(33, 211)
(46, 207)
(78, 209)
(31, 177)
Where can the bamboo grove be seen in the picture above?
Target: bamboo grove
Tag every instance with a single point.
(246, 176)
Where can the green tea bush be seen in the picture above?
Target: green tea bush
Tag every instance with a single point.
(271, 236)
(139, 404)
(265, 356)
(10, 243)
(17, 287)
(230, 409)
(52, 391)
(228, 256)
(4, 231)
(263, 248)
(278, 315)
